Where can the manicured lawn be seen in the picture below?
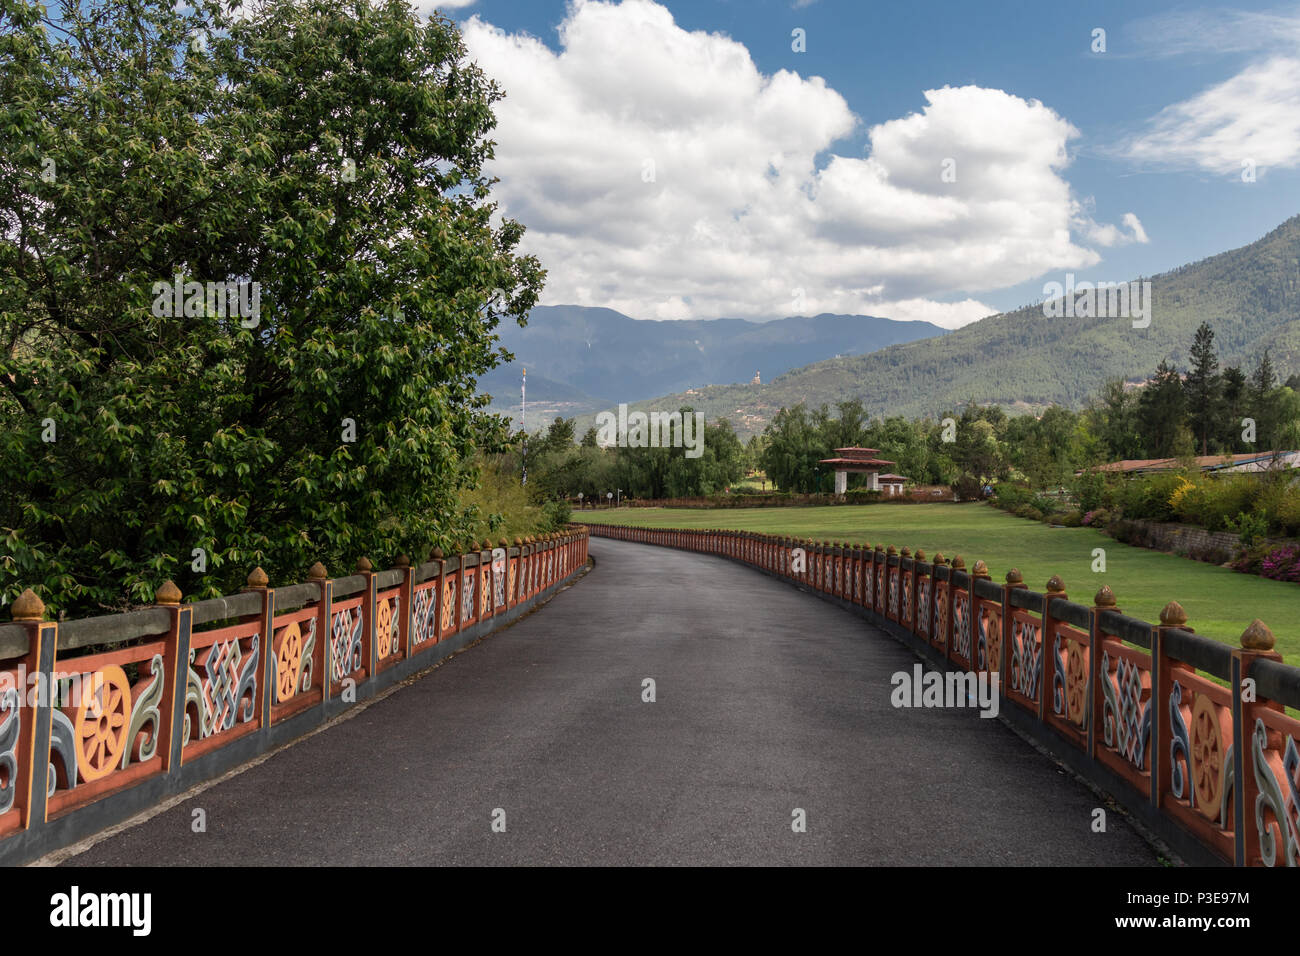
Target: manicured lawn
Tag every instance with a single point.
(1219, 602)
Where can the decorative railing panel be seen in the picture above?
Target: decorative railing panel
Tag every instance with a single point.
(468, 595)
(892, 584)
(1123, 711)
(963, 635)
(906, 577)
(1067, 700)
(924, 587)
(1273, 821)
(880, 583)
(1201, 784)
(449, 606)
(222, 689)
(349, 644)
(15, 721)
(297, 654)
(942, 612)
(389, 626)
(1024, 678)
(424, 614)
(512, 581)
(485, 592)
(107, 715)
(988, 636)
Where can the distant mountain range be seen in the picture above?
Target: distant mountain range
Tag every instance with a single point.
(582, 359)
(1025, 361)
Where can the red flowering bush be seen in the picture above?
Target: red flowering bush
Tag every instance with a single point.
(1282, 564)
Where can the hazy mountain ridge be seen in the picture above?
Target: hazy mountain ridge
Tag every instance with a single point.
(1021, 359)
(578, 356)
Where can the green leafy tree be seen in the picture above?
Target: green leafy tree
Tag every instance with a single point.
(720, 463)
(907, 444)
(847, 429)
(1114, 418)
(979, 455)
(794, 447)
(1047, 450)
(331, 152)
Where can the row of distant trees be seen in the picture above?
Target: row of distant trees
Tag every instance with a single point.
(561, 466)
(1173, 414)
(1202, 411)
(926, 451)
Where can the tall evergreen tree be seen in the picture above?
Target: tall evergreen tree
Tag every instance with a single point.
(1263, 406)
(1163, 411)
(1203, 388)
(1233, 408)
(1265, 377)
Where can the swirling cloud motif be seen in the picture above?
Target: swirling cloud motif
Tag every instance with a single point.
(660, 173)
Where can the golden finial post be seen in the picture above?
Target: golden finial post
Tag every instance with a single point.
(168, 595)
(1173, 615)
(28, 607)
(1258, 637)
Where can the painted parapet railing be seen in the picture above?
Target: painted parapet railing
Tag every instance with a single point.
(92, 732)
(1132, 706)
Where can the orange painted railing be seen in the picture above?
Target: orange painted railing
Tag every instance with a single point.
(1144, 703)
(91, 734)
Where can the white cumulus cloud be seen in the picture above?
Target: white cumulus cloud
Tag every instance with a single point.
(660, 173)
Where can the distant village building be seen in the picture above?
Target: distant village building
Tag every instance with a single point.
(757, 379)
(863, 461)
(892, 484)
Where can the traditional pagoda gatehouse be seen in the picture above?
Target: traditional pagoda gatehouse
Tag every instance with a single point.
(863, 461)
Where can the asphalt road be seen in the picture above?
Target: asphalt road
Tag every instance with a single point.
(767, 701)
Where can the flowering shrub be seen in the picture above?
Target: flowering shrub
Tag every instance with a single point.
(1097, 518)
(1180, 490)
(1282, 564)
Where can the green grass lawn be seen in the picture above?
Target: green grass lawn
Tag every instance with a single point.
(1219, 602)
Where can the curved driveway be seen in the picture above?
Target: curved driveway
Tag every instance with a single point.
(767, 701)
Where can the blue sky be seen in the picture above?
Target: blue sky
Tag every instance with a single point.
(1151, 136)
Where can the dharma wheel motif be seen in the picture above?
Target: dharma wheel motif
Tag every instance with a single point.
(288, 662)
(1076, 683)
(1207, 756)
(102, 722)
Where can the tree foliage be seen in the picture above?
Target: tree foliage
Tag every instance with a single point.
(331, 151)
(557, 468)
